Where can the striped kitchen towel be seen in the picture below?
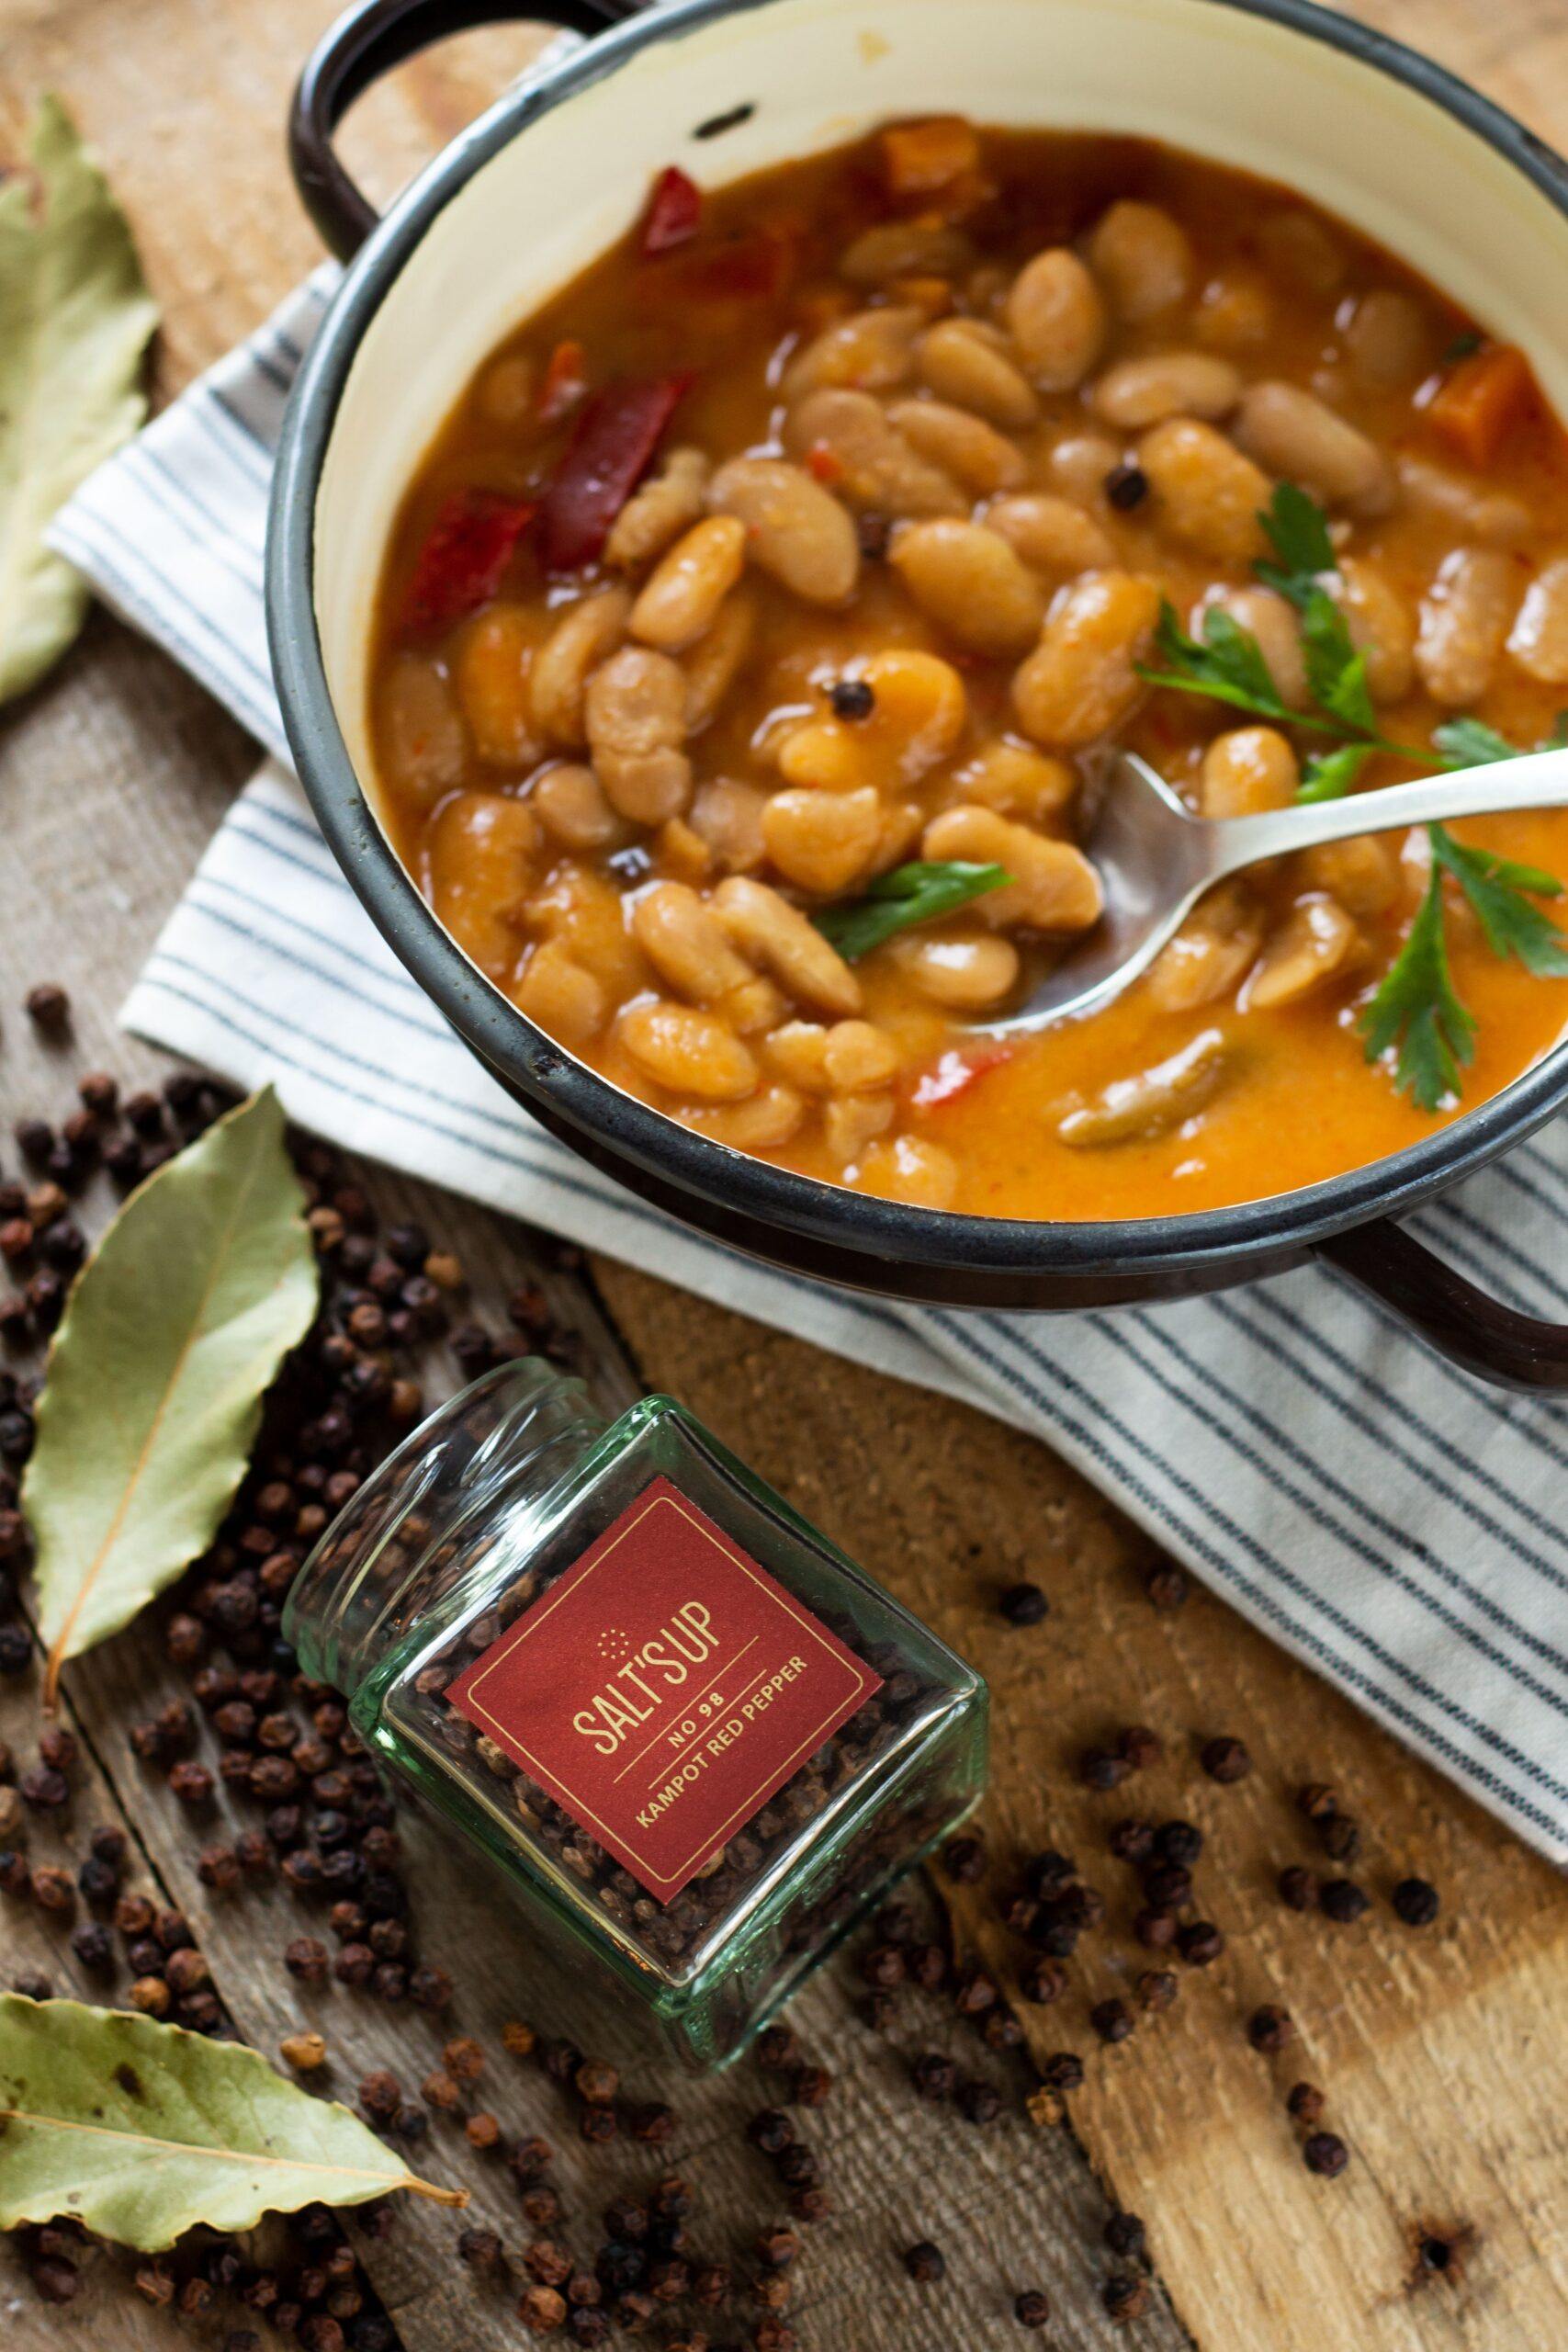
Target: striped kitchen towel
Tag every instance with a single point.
(1394, 1523)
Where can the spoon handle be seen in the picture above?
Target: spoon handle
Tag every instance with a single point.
(1537, 780)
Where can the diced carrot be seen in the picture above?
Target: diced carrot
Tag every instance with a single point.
(920, 157)
(823, 464)
(565, 382)
(1481, 401)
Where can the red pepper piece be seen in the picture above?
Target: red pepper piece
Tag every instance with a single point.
(468, 546)
(753, 268)
(614, 449)
(954, 1073)
(674, 210)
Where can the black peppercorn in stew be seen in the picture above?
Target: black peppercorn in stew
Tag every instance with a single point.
(752, 637)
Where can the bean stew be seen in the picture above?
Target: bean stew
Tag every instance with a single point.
(750, 638)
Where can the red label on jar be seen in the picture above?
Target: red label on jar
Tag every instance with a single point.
(663, 1689)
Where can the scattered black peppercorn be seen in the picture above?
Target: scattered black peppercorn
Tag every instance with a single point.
(964, 1858)
(1132, 1842)
(1226, 1760)
(1113, 2020)
(851, 698)
(1180, 1842)
(48, 1006)
(1200, 1943)
(1031, 2309)
(926, 2263)
(979, 2102)
(1416, 1902)
(1126, 486)
(1325, 2153)
(1343, 1900)
(1023, 1604)
(1340, 1837)
(1125, 2296)
(1298, 1888)
(1271, 2027)
(933, 2075)
(1124, 2235)
(1305, 2102)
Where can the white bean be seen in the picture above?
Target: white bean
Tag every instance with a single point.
(635, 708)
(1492, 518)
(905, 249)
(960, 361)
(570, 803)
(419, 730)
(877, 467)
(1540, 639)
(689, 1052)
(654, 516)
(822, 841)
(1052, 887)
(793, 529)
(1137, 392)
(1056, 317)
(681, 598)
(1294, 435)
(869, 353)
(1052, 534)
(1315, 942)
(583, 635)
(1081, 680)
(1207, 493)
(1382, 627)
(965, 447)
(1142, 259)
(970, 581)
(766, 928)
(1464, 619)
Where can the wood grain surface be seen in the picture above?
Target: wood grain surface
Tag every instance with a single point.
(1444, 2056)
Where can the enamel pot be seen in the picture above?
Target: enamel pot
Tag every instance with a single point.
(518, 204)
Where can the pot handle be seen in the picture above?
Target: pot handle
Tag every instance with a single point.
(367, 41)
(1474, 1331)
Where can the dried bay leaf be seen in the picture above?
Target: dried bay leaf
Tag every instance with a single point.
(140, 2130)
(75, 318)
(173, 1331)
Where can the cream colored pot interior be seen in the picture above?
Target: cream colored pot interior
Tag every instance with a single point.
(1202, 77)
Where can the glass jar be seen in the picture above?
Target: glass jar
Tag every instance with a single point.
(698, 1741)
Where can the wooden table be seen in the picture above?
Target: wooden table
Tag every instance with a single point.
(1445, 2057)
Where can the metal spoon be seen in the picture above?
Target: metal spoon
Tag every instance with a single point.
(1156, 859)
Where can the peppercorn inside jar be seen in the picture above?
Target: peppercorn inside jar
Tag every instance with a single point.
(697, 1740)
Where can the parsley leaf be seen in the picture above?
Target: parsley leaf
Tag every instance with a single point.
(1470, 744)
(920, 892)
(1416, 1010)
(1227, 666)
(1298, 533)
(1337, 674)
(1328, 775)
(1500, 891)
